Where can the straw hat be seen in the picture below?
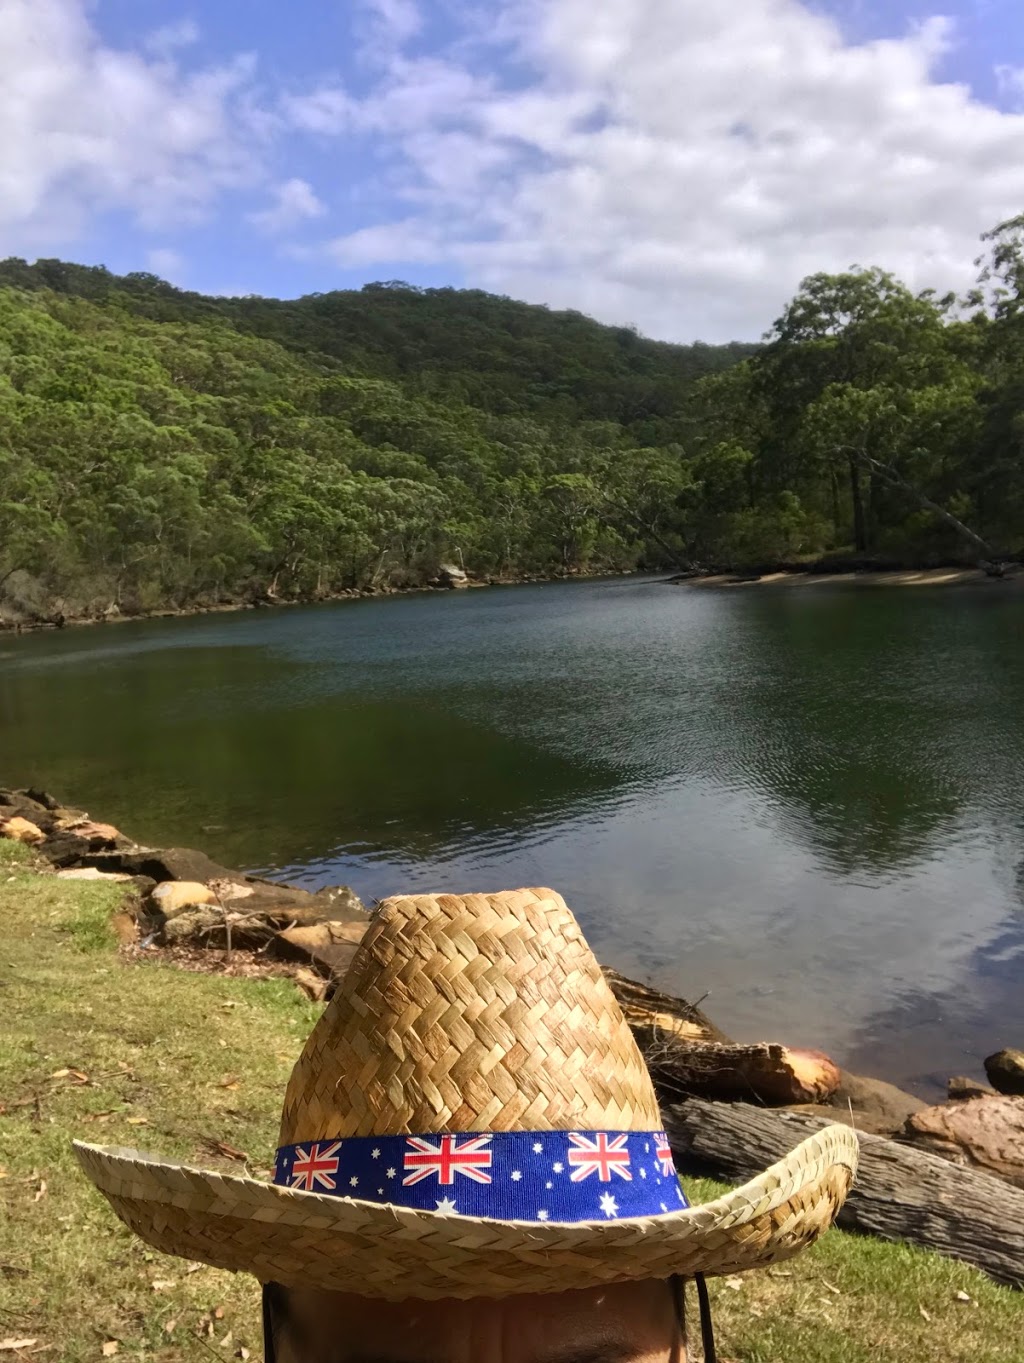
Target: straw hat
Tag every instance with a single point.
(471, 1117)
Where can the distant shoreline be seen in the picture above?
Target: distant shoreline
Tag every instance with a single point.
(901, 577)
(9, 626)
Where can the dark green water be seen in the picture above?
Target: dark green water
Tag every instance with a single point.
(805, 801)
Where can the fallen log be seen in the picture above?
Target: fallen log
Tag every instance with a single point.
(764, 1073)
(644, 1006)
(688, 1056)
(901, 1193)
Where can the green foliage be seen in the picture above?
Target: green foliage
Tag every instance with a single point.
(159, 448)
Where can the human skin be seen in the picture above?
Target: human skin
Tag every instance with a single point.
(621, 1323)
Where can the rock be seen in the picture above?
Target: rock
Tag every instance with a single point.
(879, 1108)
(314, 986)
(97, 835)
(174, 896)
(342, 904)
(987, 1133)
(65, 849)
(41, 797)
(961, 1088)
(1006, 1072)
(22, 830)
(174, 863)
(195, 923)
(450, 576)
(329, 947)
(91, 873)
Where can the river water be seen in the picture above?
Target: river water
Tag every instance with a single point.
(804, 802)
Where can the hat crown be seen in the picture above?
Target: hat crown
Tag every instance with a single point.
(470, 1013)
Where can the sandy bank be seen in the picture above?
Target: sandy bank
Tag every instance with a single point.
(917, 577)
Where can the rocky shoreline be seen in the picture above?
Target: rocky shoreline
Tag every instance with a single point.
(184, 910)
(448, 579)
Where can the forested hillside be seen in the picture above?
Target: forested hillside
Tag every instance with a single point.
(160, 448)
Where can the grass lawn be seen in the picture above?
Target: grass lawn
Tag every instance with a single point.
(151, 1057)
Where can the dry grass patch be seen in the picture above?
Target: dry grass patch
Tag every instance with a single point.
(144, 1055)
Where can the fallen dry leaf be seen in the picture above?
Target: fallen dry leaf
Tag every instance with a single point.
(963, 1296)
(40, 1191)
(831, 1287)
(225, 1343)
(138, 1121)
(110, 1348)
(162, 1284)
(925, 1315)
(222, 1148)
(7, 1345)
(170, 1326)
(217, 1313)
(735, 1283)
(242, 1352)
(60, 1074)
(230, 1081)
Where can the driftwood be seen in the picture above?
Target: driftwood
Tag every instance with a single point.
(689, 1057)
(765, 1073)
(643, 1006)
(901, 1193)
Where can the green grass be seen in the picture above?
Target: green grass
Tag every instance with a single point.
(143, 1055)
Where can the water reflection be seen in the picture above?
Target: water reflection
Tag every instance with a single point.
(807, 801)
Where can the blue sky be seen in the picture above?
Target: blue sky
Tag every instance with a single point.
(650, 162)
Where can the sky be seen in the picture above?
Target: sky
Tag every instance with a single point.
(674, 165)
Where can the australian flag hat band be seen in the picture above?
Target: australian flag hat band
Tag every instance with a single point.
(563, 1176)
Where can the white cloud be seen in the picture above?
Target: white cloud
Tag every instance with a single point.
(89, 129)
(166, 262)
(326, 110)
(294, 202)
(1010, 80)
(683, 166)
(171, 38)
(387, 26)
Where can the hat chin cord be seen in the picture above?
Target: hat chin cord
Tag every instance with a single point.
(676, 1284)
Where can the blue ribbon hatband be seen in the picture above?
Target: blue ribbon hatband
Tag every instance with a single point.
(564, 1176)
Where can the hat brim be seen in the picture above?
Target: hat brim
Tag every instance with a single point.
(347, 1245)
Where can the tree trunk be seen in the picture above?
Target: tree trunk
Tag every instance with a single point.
(860, 542)
(899, 1194)
(894, 479)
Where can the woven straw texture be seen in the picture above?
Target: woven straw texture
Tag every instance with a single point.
(468, 1013)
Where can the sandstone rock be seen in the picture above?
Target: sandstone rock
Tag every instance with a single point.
(173, 863)
(196, 923)
(1006, 1072)
(879, 1108)
(314, 986)
(450, 576)
(329, 947)
(96, 834)
(91, 873)
(987, 1133)
(65, 849)
(960, 1089)
(22, 830)
(173, 896)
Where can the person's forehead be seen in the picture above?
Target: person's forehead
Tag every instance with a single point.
(600, 1324)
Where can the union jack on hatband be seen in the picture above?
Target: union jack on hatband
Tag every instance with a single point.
(532, 1176)
(446, 1159)
(664, 1153)
(314, 1165)
(599, 1155)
